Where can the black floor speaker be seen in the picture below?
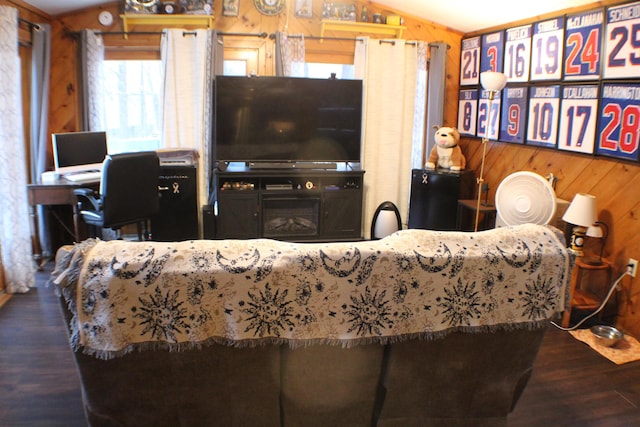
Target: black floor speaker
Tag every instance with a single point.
(177, 218)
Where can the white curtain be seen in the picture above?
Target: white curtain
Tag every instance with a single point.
(290, 55)
(91, 60)
(40, 70)
(394, 74)
(15, 238)
(187, 58)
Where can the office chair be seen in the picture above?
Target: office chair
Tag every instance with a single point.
(128, 194)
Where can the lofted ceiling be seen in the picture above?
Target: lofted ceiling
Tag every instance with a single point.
(461, 15)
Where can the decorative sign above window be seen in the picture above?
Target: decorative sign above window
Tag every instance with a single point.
(169, 7)
(141, 6)
(573, 83)
(270, 7)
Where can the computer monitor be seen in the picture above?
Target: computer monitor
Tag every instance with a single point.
(79, 151)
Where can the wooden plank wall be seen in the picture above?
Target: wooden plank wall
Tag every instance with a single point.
(614, 183)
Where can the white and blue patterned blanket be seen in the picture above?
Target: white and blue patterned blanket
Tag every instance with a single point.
(414, 283)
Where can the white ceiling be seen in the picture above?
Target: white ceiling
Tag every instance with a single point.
(462, 15)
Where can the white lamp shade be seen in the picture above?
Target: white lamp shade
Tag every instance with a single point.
(581, 211)
(493, 81)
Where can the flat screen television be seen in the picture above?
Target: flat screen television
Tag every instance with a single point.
(287, 120)
(78, 151)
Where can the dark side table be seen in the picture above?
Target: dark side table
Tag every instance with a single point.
(583, 297)
(467, 216)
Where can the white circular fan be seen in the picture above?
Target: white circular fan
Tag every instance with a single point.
(525, 198)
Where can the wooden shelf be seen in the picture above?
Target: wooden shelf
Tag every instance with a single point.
(362, 27)
(583, 298)
(129, 19)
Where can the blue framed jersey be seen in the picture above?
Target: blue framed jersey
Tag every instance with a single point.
(578, 118)
(470, 61)
(544, 110)
(583, 45)
(467, 111)
(619, 121)
(488, 121)
(492, 55)
(546, 50)
(622, 42)
(517, 54)
(514, 114)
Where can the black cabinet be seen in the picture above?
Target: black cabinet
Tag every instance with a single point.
(237, 215)
(177, 218)
(292, 205)
(433, 202)
(342, 213)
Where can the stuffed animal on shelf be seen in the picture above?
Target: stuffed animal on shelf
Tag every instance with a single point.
(446, 153)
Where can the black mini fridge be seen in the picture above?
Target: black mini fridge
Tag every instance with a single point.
(433, 203)
(177, 218)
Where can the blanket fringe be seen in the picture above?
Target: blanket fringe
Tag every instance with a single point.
(305, 343)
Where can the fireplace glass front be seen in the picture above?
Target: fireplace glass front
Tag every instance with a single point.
(290, 216)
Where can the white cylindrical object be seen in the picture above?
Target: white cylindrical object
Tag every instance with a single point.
(386, 223)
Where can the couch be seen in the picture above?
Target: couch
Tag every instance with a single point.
(420, 328)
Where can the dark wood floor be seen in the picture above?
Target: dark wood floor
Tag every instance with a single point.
(571, 386)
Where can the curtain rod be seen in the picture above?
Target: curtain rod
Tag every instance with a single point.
(299, 36)
(393, 42)
(130, 33)
(29, 23)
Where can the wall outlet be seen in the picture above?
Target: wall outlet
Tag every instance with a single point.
(633, 266)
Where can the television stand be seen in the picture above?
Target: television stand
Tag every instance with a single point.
(292, 204)
(293, 165)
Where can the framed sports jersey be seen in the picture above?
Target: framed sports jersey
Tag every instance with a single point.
(619, 125)
(470, 61)
(492, 55)
(488, 123)
(547, 47)
(583, 45)
(467, 111)
(578, 118)
(514, 114)
(517, 53)
(622, 42)
(544, 109)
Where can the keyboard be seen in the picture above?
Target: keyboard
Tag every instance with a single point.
(82, 177)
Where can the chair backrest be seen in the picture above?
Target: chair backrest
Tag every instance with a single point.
(129, 188)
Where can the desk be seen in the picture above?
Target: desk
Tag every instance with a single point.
(59, 192)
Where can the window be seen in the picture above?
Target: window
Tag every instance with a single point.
(234, 67)
(133, 95)
(317, 70)
(132, 98)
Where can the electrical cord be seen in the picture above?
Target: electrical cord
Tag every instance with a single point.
(602, 305)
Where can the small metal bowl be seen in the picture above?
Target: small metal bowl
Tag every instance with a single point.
(607, 336)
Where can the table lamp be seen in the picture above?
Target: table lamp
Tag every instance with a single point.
(582, 214)
(493, 82)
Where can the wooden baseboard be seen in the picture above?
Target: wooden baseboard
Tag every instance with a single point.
(4, 297)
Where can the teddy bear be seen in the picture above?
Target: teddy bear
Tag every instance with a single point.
(446, 153)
